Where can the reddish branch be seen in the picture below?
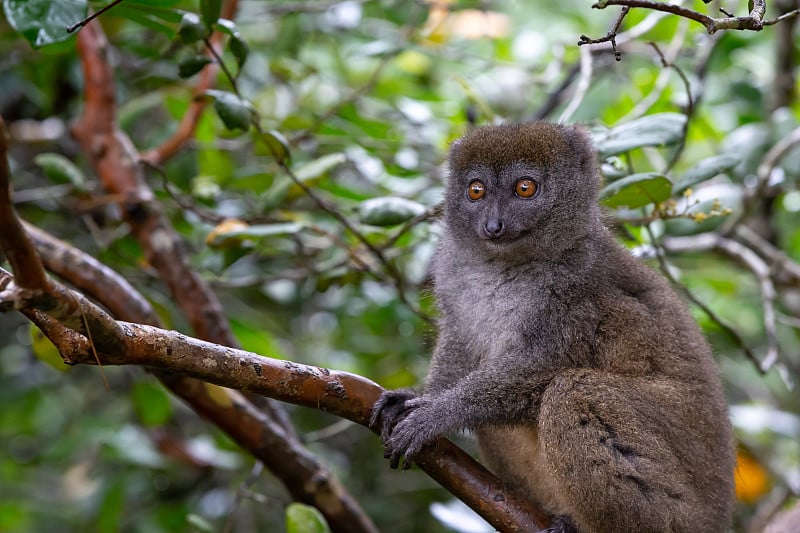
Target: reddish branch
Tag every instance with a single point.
(205, 81)
(17, 249)
(175, 356)
(228, 409)
(340, 393)
(117, 165)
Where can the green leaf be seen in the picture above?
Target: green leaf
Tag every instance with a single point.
(153, 4)
(45, 351)
(112, 505)
(318, 167)
(637, 190)
(277, 145)
(224, 235)
(661, 129)
(234, 112)
(200, 524)
(44, 22)
(237, 45)
(210, 10)
(227, 26)
(191, 29)
(158, 19)
(190, 66)
(307, 173)
(704, 170)
(151, 403)
(302, 518)
(239, 49)
(61, 170)
(389, 210)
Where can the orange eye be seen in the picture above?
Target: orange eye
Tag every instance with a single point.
(476, 190)
(526, 188)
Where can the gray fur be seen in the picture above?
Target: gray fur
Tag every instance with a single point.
(584, 377)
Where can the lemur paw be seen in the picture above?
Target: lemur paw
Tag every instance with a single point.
(407, 423)
(561, 524)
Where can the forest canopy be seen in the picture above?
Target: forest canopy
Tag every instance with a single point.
(231, 207)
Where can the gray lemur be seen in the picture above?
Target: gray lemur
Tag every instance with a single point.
(585, 379)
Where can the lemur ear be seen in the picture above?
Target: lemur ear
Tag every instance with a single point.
(456, 143)
(582, 146)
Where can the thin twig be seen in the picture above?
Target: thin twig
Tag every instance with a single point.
(91, 17)
(391, 270)
(760, 269)
(732, 333)
(429, 214)
(241, 491)
(662, 81)
(763, 173)
(785, 16)
(785, 270)
(611, 36)
(689, 107)
(213, 51)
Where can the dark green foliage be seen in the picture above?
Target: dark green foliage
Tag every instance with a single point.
(360, 101)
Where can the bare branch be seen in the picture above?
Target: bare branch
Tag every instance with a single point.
(689, 107)
(584, 83)
(611, 36)
(764, 172)
(786, 271)
(20, 252)
(116, 161)
(756, 265)
(722, 324)
(785, 16)
(340, 393)
(92, 277)
(753, 21)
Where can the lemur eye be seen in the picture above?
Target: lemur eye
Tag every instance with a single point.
(476, 190)
(526, 188)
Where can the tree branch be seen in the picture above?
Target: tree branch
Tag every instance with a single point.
(191, 118)
(753, 21)
(117, 164)
(20, 253)
(759, 268)
(763, 174)
(340, 393)
(239, 417)
(723, 325)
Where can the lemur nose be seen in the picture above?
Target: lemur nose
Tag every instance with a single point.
(494, 228)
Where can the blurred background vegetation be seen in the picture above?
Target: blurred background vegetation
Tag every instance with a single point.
(366, 96)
